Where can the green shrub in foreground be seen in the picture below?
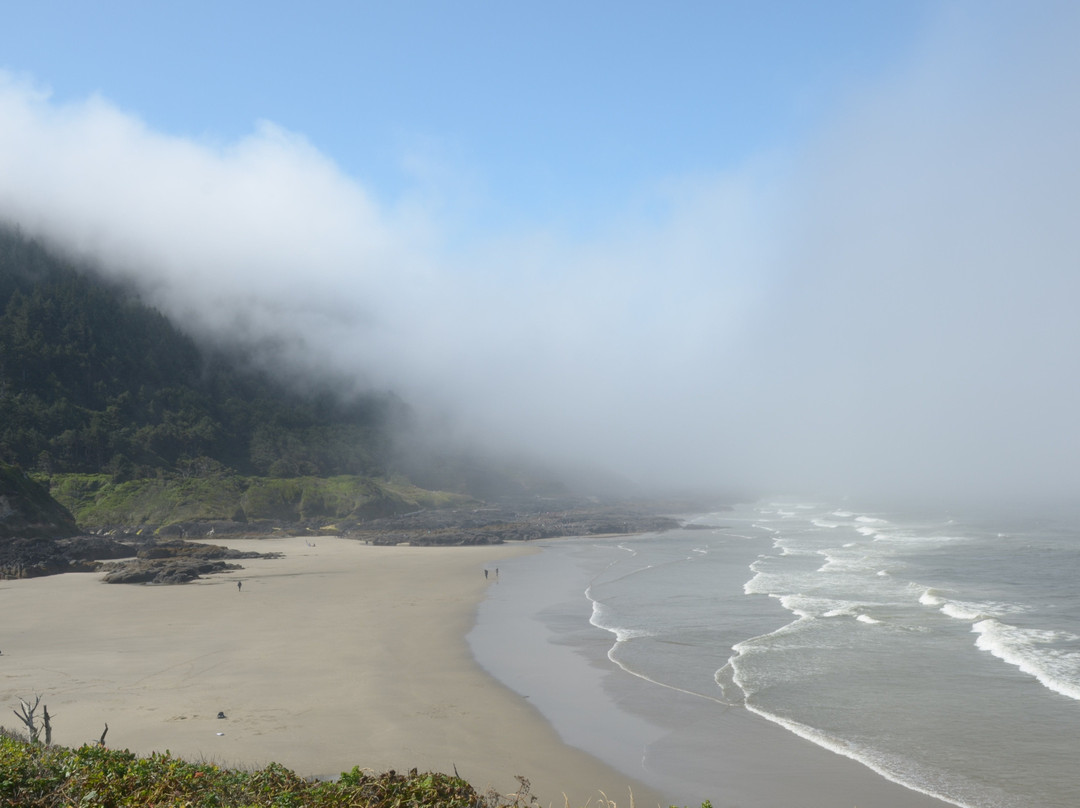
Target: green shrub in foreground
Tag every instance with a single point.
(39, 776)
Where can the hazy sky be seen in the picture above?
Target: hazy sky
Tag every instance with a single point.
(827, 246)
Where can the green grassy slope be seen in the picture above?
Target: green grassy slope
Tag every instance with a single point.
(98, 501)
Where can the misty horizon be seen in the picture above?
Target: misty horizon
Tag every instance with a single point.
(875, 302)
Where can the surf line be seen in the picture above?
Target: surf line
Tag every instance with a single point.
(621, 666)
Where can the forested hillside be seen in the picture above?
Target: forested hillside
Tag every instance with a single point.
(92, 380)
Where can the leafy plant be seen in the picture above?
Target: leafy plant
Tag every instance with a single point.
(36, 776)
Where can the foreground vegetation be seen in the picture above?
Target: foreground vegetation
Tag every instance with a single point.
(35, 775)
(40, 776)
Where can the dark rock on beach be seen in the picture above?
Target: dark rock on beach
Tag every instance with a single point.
(176, 562)
(140, 561)
(38, 536)
(164, 570)
(37, 556)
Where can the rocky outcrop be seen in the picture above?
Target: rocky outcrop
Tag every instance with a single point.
(164, 570)
(176, 562)
(38, 535)
(27, 510)
(36, 556)
(496, 524)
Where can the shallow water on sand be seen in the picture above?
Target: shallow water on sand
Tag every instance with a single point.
(941, 652)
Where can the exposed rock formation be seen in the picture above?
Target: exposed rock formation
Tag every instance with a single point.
(164, 570)
(496, 524)
(27, 510)
(175, 562)
(37, 556)
(36, 531)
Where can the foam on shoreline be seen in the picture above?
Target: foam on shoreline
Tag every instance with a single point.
(684, 745)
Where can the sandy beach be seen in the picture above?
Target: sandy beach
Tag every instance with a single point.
(339, 654)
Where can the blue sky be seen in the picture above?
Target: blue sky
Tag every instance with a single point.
(789, 245)
(552, 112)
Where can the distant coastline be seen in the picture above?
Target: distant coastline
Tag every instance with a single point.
(164, 557)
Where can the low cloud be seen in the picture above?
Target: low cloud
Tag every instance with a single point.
(887, 309)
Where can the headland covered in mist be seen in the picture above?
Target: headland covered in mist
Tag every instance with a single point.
(882, 306)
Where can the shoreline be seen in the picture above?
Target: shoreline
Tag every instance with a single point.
(336, 655)
(689, 747)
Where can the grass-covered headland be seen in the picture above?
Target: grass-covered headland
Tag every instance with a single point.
(34, 775)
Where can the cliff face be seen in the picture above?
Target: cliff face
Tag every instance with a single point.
(27, 510)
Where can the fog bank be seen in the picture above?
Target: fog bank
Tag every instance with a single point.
(887, 307)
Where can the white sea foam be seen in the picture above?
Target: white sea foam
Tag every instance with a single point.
(962, 611)
(801, 607)
(844, 633)
(786, 548)
(890, 770)
(600, 619)
(967, 610)
(847, 563)
(757, 585)
(1028, 649)
(938, 784)
(824, 523)
(843, 611)
(808, 607)
(930, 597)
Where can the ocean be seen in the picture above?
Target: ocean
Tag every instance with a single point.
(941, 651)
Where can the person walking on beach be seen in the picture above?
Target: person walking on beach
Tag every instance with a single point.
(485, 575)
(239, 585)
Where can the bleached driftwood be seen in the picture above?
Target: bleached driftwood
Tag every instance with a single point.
(25, 713)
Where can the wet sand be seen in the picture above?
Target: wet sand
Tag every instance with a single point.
(337, 655)
(533, 633)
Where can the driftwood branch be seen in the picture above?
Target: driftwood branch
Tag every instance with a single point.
(25, 713)
(101, 740)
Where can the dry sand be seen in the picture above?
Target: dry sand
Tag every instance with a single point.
(339, 654)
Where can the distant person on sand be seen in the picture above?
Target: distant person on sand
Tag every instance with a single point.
(239, 585)
(485, 573)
